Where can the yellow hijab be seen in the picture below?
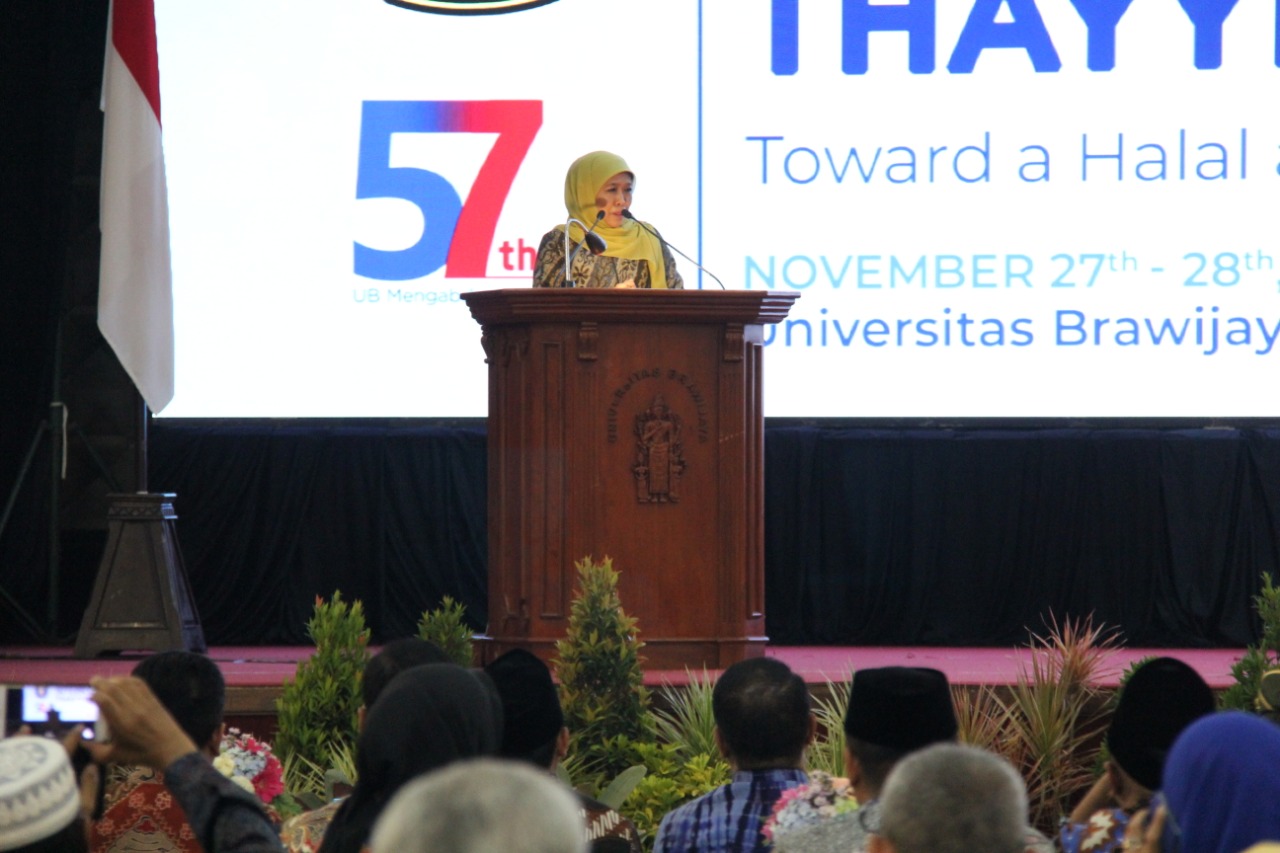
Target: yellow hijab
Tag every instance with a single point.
(586, 176)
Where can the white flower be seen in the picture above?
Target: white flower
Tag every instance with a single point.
(243, 783)
(224, 764)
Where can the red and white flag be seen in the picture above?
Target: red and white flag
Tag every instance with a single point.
(135, 295)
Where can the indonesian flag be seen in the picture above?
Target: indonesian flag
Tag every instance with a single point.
(135, 298)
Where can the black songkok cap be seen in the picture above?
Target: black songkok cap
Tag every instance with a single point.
(899, 707)
(530, 704)
(1162, 697)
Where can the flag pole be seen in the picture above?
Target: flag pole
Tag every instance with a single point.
(135, 315)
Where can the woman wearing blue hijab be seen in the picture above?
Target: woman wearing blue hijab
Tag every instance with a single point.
(1221, 787)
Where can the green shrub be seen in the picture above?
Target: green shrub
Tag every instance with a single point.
(599, 668)
(446, 626)
(826, 753)
(671, 782)
(1257, 659)
(690, 722)
(317, 710)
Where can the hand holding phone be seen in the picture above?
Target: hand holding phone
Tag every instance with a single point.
(88, 774)
(141, 728)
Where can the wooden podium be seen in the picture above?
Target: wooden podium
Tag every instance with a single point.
(628, 424)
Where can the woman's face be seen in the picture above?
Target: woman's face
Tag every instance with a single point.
(615, 197)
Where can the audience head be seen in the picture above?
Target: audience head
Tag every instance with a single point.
(531, 712)
(894, 711)
(762, 714)
(1161, 698)
(391, 660)
(427, 716)
(481, 806)
(192, 689)
(1222, 784)
(950, 798)
(39, 800)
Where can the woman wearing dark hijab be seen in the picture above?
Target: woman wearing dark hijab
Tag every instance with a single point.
(427, 717)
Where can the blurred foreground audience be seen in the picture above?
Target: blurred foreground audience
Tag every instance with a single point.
(140, 814)
(763, 725)
(1221, 789)
(426, 785)
(40, 803)
(1161, 698)
(952, 799)
(482, 806)
(221, 816)
(427, 717)
(305, 832)
(893, 711)
(534, 732)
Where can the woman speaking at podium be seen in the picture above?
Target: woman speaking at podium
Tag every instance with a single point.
(628, 253)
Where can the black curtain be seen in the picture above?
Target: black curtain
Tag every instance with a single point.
(271, 517)
(872, 537)
(975, 537)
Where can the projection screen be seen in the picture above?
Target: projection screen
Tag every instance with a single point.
(990, 208)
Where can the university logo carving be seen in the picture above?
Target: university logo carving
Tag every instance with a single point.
(659, 454)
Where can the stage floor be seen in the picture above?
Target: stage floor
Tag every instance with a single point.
(255, 675)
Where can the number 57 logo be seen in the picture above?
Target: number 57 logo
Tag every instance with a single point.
(455, 235)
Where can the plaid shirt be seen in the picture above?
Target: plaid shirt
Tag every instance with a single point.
(728, 819)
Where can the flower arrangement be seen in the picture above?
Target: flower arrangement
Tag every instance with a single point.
(250, 763)
(808, 808)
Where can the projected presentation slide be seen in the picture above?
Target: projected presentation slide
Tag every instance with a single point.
(989, 208)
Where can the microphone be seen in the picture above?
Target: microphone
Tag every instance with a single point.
(627, 215)
(594, 242)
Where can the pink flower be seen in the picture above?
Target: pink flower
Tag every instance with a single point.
(269, 784)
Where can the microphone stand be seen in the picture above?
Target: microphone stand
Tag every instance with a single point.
(627, 214)
(594, 243)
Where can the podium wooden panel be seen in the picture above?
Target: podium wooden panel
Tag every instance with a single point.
(628, 424)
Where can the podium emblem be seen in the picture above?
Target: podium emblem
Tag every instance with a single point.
(659, 454)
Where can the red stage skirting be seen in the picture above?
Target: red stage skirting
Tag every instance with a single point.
(257, 673)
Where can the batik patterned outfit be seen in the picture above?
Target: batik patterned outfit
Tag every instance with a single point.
(605, 824)
(1103, 832)
(190, 808)
(590, 270)
(304, 833)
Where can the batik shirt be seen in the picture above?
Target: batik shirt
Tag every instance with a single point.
(728, 819)
(304, 833)
(596, 271)
(605, 824)
(1103, 832)
(189, 808)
